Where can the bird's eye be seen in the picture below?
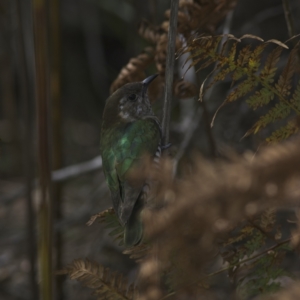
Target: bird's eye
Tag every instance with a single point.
(132, 97)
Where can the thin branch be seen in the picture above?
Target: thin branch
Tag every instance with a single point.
(170, 62)
(59, 175)
(78, 169)
(45, 226)
(288, 18)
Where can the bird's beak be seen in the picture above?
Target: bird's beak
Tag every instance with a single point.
(147, 81)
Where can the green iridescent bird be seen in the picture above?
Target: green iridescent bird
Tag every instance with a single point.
(130, 130)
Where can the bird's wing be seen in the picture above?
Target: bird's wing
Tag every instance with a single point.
(110, 172)
(141, 138)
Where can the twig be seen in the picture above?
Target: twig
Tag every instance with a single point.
(169, 71)
(45, 244)
(59, 175)
(78, 169)
(230, 266)
(288, 17)
(55, 84)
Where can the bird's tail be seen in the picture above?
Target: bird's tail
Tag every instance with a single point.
(134, 227)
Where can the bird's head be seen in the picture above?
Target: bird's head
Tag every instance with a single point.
(128, 103)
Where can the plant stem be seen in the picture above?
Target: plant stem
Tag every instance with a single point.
(42, 108)
(169, 71)
(55, 85)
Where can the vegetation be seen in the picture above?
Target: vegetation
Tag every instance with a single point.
(200, 220)
(224, 221)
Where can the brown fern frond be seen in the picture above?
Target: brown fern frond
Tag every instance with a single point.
(99, 215)
(161, 52)
(202, 16)
(110, 220)
(149, 32)
(108, 285)
(184, 89)
(249, 71)
(192, 15)
(199, 51)
(268, 219)
(269, 68)
(134, 70)
(139, 252)
(244, 56)
(284, 83)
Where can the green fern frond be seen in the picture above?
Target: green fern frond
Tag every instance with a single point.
(278, 112)
(256, 286)
(295, 100)
(244, 88)
(251, 243)
(254, 60)
(106, 284)
(111, 222)
(260, 98)
(283, 132)
(263, 275)
(226, 65)
(255, 243)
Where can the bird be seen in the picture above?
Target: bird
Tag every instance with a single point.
(130, 131)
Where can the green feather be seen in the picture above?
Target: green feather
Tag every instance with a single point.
(122, 148)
